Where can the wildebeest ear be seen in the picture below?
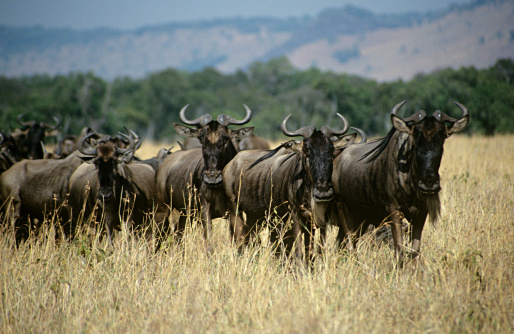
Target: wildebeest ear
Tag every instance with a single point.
(341, 143)
(459, 125)
(345, 140)
(295, 145)
(400, 125)
(241, 133)
(185, 131)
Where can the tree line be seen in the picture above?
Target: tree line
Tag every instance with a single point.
(272, 89)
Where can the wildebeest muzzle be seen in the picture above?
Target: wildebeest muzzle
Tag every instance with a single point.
(429, 188)
(323, 192)
(212, 177)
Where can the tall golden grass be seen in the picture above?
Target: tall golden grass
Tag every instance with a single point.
(464, 282)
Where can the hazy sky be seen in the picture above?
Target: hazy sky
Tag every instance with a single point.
(129, 14)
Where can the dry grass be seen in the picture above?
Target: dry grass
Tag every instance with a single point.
(463, 284)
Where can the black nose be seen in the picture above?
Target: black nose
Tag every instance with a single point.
(212, 177)
(105, 195)
(431, 187)
(323, 194)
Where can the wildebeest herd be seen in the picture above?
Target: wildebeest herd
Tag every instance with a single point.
(323, 177)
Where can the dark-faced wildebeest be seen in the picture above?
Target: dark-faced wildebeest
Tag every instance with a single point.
(195, 176)
(291, 181)
(31, 135)
(394, 177)
(112, 183)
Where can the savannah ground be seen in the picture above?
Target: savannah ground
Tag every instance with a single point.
(464, 282)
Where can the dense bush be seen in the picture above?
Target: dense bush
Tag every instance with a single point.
(272, 90)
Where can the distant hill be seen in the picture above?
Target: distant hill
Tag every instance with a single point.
(349, 39)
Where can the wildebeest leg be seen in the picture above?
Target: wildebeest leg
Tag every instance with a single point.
(109, 234)
(396, 229)
(322, 241)
(20, 223)
(295, 239)
(274, 239)
(67, 226)
(237, 231)
(110, 216)
(344, 235)
(308, 229)
(16, 207)
(417, 228)
(164, 223)
(309, 242)
(207, 226)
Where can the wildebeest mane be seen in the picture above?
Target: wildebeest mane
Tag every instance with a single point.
(375, 152)
(269, 154)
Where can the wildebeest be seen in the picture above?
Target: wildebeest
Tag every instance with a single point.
(37, 188)
(29, 138)
(189, 143)
(112, 183)
(394, 177)
(156, 161)
(66, 145)
(195, 176)
(254, 142)
(291, 181)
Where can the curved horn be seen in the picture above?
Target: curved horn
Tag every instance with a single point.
(25, 124)
(329, 132)
(43, 147)
(90, 151)
(131, 147)
(416, 117)
(136, 137)
(201, 121)
(57, 124)
(364, 136)
(413, 118)
(305, 132)
(397, 107)
(59, 147)
(462, 108)
(442, 117)
(227, 120)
